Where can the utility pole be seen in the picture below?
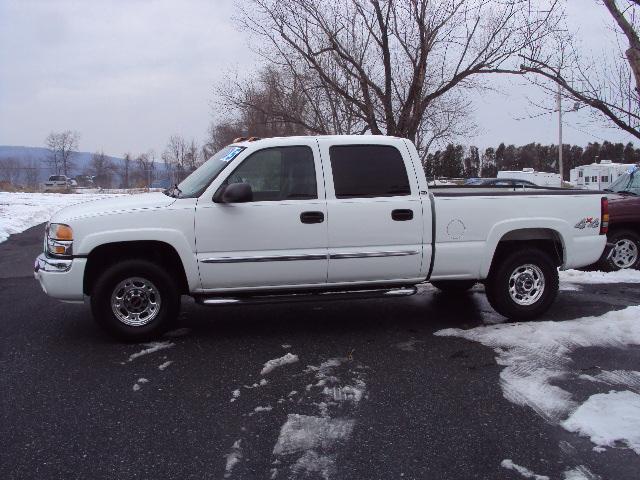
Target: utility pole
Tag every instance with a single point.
(561, 166)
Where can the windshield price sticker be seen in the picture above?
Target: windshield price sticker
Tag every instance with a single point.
(233, 153)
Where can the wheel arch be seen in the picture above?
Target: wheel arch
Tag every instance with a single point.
(545, 239)
(159, 252)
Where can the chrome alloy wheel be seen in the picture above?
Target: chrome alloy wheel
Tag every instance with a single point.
(135, 301)
(625, 253)
(526, 284)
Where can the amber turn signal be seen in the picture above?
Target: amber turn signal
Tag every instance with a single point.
(59, 231)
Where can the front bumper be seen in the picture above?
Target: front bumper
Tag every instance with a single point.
(61, 278)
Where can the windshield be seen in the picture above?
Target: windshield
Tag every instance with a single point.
(199, 180)
(629, 182)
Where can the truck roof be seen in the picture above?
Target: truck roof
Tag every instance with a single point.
(341, 138)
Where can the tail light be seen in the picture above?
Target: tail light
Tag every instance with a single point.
(604, 215)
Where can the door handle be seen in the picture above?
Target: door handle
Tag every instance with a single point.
(402, 214)
(312, 217)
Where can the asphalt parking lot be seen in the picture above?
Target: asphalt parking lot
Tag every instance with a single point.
(382, 396)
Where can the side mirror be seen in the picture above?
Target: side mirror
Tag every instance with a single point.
(234, 193)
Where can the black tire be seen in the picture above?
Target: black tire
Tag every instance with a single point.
(454, 286)
(158, 283)
(623, 239)
(497, 286)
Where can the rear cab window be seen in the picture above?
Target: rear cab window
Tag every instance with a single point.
(366, 171)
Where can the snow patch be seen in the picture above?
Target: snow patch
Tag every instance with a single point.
(523, 471)
(233, 458)
(312, 464)
(136, 387)
(590, 278)
(579, 473)
(534, 354)
(608, 419)
(151, 348)
(301, 433)
(278, 362)
(268, 408)
(164, 365)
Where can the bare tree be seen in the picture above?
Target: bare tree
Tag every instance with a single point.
(103, 169)
(274, 104)
(609, 85)
(180, 158)
(193, 157)
(31, 170)
(126, 170)
(146, 163)
(388, 61)
(10, 170)
(62, 147)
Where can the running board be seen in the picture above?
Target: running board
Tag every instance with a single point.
(306, 296)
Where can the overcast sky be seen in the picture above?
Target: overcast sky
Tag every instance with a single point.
(127, 74)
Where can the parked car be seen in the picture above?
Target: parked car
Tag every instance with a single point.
(288, 219)
(500, 182)
(624, 223)
(58, 183)
(85, 181)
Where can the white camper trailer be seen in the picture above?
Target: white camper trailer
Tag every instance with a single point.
(543, 179)
(597, 176)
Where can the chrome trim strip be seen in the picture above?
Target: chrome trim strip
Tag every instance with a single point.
(266, 258)
(311, 256)
(396, 253)
(46, 264)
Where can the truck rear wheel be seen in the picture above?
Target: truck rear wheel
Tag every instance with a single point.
(523, 285)
(625, 254)
(135, 300)
(454, 286)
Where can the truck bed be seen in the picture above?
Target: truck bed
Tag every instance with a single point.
(473, 190)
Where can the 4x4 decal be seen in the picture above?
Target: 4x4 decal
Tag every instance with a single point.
(590, 222)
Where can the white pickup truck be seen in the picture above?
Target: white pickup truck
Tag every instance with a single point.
(314, 217)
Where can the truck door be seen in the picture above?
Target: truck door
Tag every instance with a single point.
(374, 210)
(280, 238)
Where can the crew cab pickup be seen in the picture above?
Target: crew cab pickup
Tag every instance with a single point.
(296, 218)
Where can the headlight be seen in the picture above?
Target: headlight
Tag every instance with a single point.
(59, 240)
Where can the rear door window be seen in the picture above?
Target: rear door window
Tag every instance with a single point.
(368, 171)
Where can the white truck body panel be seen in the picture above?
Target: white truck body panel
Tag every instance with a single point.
(264, 246)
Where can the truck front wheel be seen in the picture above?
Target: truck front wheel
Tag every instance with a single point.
(523, 285)
(135, 300)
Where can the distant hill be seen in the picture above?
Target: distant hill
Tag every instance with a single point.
(25, 155)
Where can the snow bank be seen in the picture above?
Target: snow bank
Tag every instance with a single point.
(621, 276)
(608, 418)
(536, 353)
(525, 472)
(20, 211)
(278, 362)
